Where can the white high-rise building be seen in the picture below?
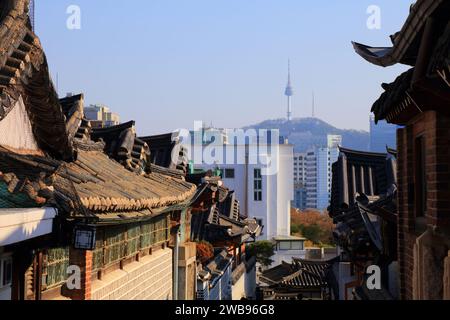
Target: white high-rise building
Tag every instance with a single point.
(319, 163)
(265, 197)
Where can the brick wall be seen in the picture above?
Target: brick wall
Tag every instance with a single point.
(148, 279)
(435, 128)
(82, 259)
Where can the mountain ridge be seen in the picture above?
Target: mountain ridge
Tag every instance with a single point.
(306, 133)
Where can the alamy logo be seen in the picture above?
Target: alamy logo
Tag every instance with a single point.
(374, 279)
(374, 20)
(74, 20)
(74, 280)
(221, 147)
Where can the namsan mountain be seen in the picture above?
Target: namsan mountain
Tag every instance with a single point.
(305, 133)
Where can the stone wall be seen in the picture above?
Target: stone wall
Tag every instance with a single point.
(148, 279)
(187, 271)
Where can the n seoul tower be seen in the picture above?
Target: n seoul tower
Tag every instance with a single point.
(289, 92)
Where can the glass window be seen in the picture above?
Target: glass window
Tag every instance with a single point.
(284, 245)
(6, 272)
(297, 245)
(257, 185)
(229, 173)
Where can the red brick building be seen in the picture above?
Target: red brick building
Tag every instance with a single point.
(419, 101)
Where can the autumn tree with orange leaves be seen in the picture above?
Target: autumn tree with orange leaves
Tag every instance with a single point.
(205, 252)
(313, 225)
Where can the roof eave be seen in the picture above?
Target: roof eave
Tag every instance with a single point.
(402, 51)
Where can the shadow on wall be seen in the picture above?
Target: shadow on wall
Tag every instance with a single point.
(17, 225)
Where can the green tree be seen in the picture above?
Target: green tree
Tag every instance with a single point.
(312, 232)
(263, 251)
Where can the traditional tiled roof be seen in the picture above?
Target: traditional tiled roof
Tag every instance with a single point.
(216, 268)
(364, 186)
(167, 151)
(219, 222)
(73, 172)
(396, 98)
(358, 172)
(271, 294)
(406, 42)
(440, 59)
(77, 125)
(356, 232)
(122, 144)
(300, 274)
(424, 43)
(93, 185)
(24, 73)
(229, 206)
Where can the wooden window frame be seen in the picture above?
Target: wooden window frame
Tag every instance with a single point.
(48, 262)
(158, 226)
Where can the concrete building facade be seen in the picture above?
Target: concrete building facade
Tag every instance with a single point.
(265, 197)
(101, 116)
(318, 176)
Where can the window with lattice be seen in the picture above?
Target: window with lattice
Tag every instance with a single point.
(116, 243)
(56, 263)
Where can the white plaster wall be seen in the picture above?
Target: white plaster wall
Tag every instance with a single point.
(15, 129)
(285, 189)
(238, 291)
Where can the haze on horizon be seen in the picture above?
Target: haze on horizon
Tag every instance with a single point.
(168, 63)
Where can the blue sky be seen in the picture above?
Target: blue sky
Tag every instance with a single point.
(167, 63)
